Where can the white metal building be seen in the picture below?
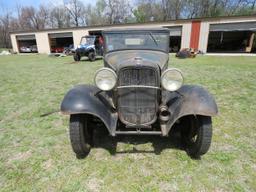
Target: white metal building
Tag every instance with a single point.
(213, 35)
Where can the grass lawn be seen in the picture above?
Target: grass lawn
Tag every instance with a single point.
(3, 49)
(36, 154)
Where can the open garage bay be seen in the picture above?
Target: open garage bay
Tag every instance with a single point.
(60, 41)
(26, 43)
(232, 38)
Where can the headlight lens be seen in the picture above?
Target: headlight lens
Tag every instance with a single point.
(172, 79)
(105, 79)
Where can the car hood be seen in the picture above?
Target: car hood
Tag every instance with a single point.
(117, 59)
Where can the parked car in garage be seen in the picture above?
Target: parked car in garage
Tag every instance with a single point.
(25, 49)
(135, 93)
(57, 49)
(90, 46)
(34, 48)
(28, 49)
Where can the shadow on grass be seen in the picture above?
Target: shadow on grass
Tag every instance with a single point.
(101, 139)
(85, 59)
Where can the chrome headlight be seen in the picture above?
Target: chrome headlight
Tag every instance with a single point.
(172, 79)
(105, 79)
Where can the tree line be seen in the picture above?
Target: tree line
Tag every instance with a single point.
(74, 13)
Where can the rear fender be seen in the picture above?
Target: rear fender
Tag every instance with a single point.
(82, 99)
(189, 100)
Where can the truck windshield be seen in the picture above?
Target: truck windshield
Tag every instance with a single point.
(146, 40)
(87, 40)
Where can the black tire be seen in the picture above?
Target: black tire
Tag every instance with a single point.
(92, 56)
(80, 135)
(77, 57)
(197, 135)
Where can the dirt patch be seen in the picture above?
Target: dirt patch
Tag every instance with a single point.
(254, 167)
(74, 62)
(118, 157)
(21, 156)
(94, 185)
(58, 123)
(219, 190)
(47, 164)
(145, 171)
(225, 147)
(99, 154)
(137, 156)
(168, 187)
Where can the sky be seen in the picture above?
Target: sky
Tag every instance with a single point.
(11, 4)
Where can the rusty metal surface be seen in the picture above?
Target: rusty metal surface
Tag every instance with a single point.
(138, 105)
(118, 58)
(189, 100)
(82, 100)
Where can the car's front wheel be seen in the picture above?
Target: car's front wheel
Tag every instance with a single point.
(80, 135)
(92, 56)
(197, 135)
(77, 57)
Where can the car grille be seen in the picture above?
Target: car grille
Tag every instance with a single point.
(138, 106)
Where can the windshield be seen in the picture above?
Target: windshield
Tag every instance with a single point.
(87, 40)
(144, 40)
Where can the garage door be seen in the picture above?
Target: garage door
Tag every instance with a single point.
(25, 37)
(175, 30)
(245, 26)
(61, 35)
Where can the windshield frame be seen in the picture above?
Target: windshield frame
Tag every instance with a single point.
(151, 33)
(87, 37)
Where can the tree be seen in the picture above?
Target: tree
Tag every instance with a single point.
(117, 11)
(76, 10)
(42, 16)
(241, 7)
(171, 9)
(4, 28)
(59, 17)
(34, 19)
(148, 10)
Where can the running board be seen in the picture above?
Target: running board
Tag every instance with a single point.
(138, 132)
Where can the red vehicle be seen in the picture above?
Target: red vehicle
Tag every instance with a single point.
(57, 49)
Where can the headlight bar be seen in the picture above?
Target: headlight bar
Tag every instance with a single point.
(138, 86)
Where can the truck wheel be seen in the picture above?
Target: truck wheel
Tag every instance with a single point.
(80, 135)
(197, 135)
(92, 56)
(76, 57)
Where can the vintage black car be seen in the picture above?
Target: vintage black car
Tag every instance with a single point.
(135, 93)
(90, 46)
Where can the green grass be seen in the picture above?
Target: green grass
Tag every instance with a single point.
(2, 49)
(36, 154)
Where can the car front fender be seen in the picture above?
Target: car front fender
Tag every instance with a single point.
(86, 99)
(189, 100)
